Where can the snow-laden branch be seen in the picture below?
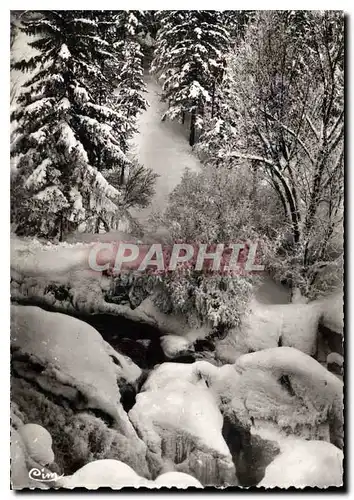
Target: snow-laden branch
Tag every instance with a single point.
(316, 133)
(296, 137)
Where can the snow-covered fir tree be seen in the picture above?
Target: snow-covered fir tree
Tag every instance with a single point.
(131, 85)
(189, 59)
(64, 138)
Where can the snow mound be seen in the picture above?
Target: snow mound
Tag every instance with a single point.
(288, 387)
(176, 479)
(332, 312)
(177, 417)
(74, 359)
(305, 463)
(38, 443)
(266, 326)
(335, 358)
(104, 473)
(19, 472)
(172, 345)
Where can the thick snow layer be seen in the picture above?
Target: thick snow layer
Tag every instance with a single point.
(270, 325)
(287, 386)
(305, 463)
(172, 345)
(332, 312)
(178, 418)
(176, 479)
(32, 258)
(38, 443)
(19, 472)
(75, 359)
(116, 475)
(104, 473)
(163, 147)
(291, 361)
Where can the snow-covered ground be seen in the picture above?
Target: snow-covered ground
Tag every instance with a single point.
(163, 147)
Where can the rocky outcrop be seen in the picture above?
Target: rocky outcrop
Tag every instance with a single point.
(66, 378)
(268, 325)
(116, 475)
(178, 418)
(104, 473)
(305, 463)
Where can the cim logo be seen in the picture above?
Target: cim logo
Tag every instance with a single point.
(43, 475)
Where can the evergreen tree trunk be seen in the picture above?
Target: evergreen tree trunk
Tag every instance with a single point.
(192, 127)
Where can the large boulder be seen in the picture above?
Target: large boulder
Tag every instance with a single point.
(272, 325)
(331, 325)
(178, 418)
(332, 315)
(305, 463)
(116, 475)
(279, 387)
(176, 480)
(104, 473)
(66, 378)
(38, 443)
(31, 456)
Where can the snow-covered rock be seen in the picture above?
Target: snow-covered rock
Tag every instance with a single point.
(288, 387)
(335, 363)
(27, 454)
(332, 316)
(173, 345)
(66, 359)
(116, 475)
(177, 416)
(177, 480)
(74, 357)
(59, 277)
(267, 325)
(19, 471)
(38, 443)
(282, 388)
(104, 473)
(305, 463)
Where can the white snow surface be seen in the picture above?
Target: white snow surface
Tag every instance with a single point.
(104, 473)
(38, 443)
(332, 312)
(177, 416)
(116, 475)
(75, 359)
(305, 463)
(163, 147)
(177, 479)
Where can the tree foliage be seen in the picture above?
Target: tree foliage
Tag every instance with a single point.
(72, 129)
(189, 59)
(284, 114)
